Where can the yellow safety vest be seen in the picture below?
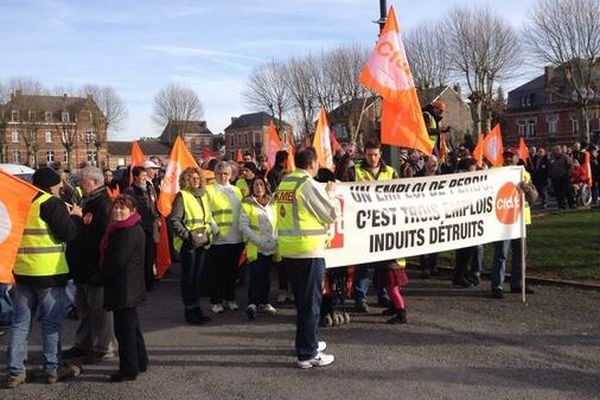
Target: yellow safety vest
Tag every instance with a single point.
(431, 125)
(298, 230)
(221, 207)
(39, 254)
(526, 209)
(251, 211)
(361, 174)
(195, 216)
(243, 186)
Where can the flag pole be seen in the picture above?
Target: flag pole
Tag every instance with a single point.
(523, 241)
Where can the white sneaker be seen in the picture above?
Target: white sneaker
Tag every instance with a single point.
(217, 308)
(321, 346)
(320, 360)
(281, 297)
(267, 309)
(231, 305)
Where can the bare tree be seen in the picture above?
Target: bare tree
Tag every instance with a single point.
(426, 52)
(484, 49)
(267, 89)
(176, 103)
(110, 103)
(299, 81)
(566, 34)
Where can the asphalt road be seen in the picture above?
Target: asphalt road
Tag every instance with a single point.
(459, 344)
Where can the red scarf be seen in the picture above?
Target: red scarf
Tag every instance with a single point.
(133, 220)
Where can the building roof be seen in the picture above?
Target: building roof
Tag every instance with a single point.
(258, 119)
(536, 88)
(149, 147)
(427, 96)
(174, 128)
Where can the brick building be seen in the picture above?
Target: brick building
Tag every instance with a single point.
(119, 153)
(195, 134)
(248, 133)
(543, 112)
(60, 131)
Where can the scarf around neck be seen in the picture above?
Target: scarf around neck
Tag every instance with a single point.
(113, 226)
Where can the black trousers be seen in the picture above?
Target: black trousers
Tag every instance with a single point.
(132, 349)
(223, 264)
(149, 257)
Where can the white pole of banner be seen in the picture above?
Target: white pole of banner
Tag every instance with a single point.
(523, 241)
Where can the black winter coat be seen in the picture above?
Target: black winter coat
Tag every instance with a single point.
(123, 269)
(83, 253)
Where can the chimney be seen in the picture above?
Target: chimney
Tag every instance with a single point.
(457, 89)
(233, 119)
(65, 96)
(548, 74)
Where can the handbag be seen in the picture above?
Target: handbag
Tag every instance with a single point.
(199, 237)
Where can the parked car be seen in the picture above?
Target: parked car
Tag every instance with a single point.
(20, 171)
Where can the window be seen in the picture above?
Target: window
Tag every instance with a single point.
(48, 116)
(48, 136)
(17, 157)
(66, 157)
(552, 124)
(50, 156)
(14, 115)
(31, 115)
(521, 127)
(574, 124)
(15, 136)
(65, 116)
(88, 137)
(530, 130)
(91, 157)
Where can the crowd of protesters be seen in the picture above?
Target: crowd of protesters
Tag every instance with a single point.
(224, 218)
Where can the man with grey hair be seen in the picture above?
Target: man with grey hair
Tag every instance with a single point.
(94, 339)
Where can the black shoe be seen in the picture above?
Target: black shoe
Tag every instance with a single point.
(528, 290)
(462, 283)
(75, 352)
(388, 312)
(475, 280)
(121, 377)
(400, 318)
(191, 317)
(251, 312)
(72, 314)
(383, 302)
(201, 316)
(497, 294)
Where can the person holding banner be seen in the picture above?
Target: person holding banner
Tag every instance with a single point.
(304, 211)
(371, 168)
(193, 229)
(501, 248)
(41, 273)
(224, 255)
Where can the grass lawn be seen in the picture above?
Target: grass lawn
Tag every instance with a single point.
(564, 246)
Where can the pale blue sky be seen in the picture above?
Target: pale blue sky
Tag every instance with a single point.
(139, 46)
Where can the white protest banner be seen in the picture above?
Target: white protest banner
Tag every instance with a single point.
(385, 220)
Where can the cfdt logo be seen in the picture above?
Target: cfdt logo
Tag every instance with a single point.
(336, 230)
(508, 204)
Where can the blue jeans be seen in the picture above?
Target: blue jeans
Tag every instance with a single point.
(192, 263)
(477, 261)
(260, 282)
(306, 278)
(361, 284)
(499, 267)
(5, 305)
(26, 300)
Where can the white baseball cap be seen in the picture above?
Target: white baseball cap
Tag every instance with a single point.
(150, 164)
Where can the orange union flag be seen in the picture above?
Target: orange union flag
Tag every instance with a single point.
(137, 158)
(15, 200)
(273, 144)
(387, 72)
(493, 147)
(179, 159)
(322, 142)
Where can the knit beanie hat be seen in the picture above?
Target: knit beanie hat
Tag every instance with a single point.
(45, 178)
(252, 167)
